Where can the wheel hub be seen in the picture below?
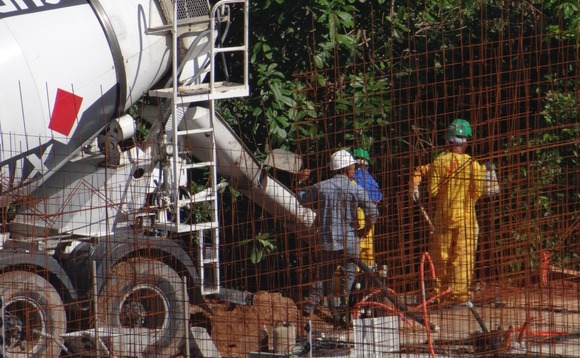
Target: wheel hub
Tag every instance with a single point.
(13, 331)
(133, 315)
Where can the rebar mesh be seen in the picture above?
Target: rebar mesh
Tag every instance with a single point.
(93, 265)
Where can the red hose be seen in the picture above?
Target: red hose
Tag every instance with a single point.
(545, 258)
(439, 295)
(424, 257)
(546, 334)
(524, 328)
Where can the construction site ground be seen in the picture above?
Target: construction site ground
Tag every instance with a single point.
(538, 320)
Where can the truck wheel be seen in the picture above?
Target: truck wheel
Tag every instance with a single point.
(146, 296)
(34, 316)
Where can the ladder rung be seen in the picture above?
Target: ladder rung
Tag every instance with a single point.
(229, 49)
(193, 200)
(185, 22)
(198, 165)
(205, 225)
(194, 131)
(197, 227)
(195, 93)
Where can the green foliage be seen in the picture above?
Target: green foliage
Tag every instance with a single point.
(142, 128)
(262, 243)
(555, 157)
(298, 37)
(566, 15)
(292, 37)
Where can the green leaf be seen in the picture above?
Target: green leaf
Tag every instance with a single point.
(256, 256)
(275, 91)
(318, 61)
(257, 111)
(287, 101)
(347, 19)
(345, 40)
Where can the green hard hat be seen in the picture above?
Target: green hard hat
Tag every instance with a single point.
(459, 128)
(361, 153)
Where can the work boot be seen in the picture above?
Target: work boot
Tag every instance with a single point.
(341, 317)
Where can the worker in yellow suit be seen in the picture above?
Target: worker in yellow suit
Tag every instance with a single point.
(456, 181)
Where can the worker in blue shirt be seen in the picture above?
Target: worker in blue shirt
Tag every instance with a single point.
(363, 177)
(338, 234)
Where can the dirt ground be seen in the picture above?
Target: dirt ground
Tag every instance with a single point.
(234, 328)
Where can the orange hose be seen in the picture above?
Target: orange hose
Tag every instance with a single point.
(439, 295)
(424, 257)
(545, 257)
(509, 336)
(546, 334)
(524, 328)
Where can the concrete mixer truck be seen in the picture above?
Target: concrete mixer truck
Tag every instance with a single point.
(92, 258)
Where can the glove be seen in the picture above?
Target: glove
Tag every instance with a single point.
(303, 175)
(416, 194)
(491, 185)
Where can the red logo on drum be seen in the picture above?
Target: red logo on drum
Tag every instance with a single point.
(65, 111)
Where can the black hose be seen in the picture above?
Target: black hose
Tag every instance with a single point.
(478, 319)
(417, 317)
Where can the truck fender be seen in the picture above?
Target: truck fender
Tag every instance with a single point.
(107, 255)
(41, 265)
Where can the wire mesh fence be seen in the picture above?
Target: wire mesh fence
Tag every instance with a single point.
(519, 97)
(472, 250)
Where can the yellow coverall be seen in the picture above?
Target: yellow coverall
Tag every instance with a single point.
(456, 181)
(367, 251)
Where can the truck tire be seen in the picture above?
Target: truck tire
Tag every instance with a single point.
(145, 295)
(34, 316)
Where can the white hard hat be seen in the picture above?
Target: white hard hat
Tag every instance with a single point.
(341, 159)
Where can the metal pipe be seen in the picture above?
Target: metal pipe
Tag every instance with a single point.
(186, 315)
(426, 216)
(245, 173)
(95, 302)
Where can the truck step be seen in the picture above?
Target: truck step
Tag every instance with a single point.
(202, 345)
(110, 341)
(203, 92)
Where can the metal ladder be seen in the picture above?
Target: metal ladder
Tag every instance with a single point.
(182, 95)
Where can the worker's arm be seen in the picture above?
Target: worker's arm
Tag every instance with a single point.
(477, 183)
(434, 179)
(418, 174)
(302, 177)
(307, 195)
(370, 210)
